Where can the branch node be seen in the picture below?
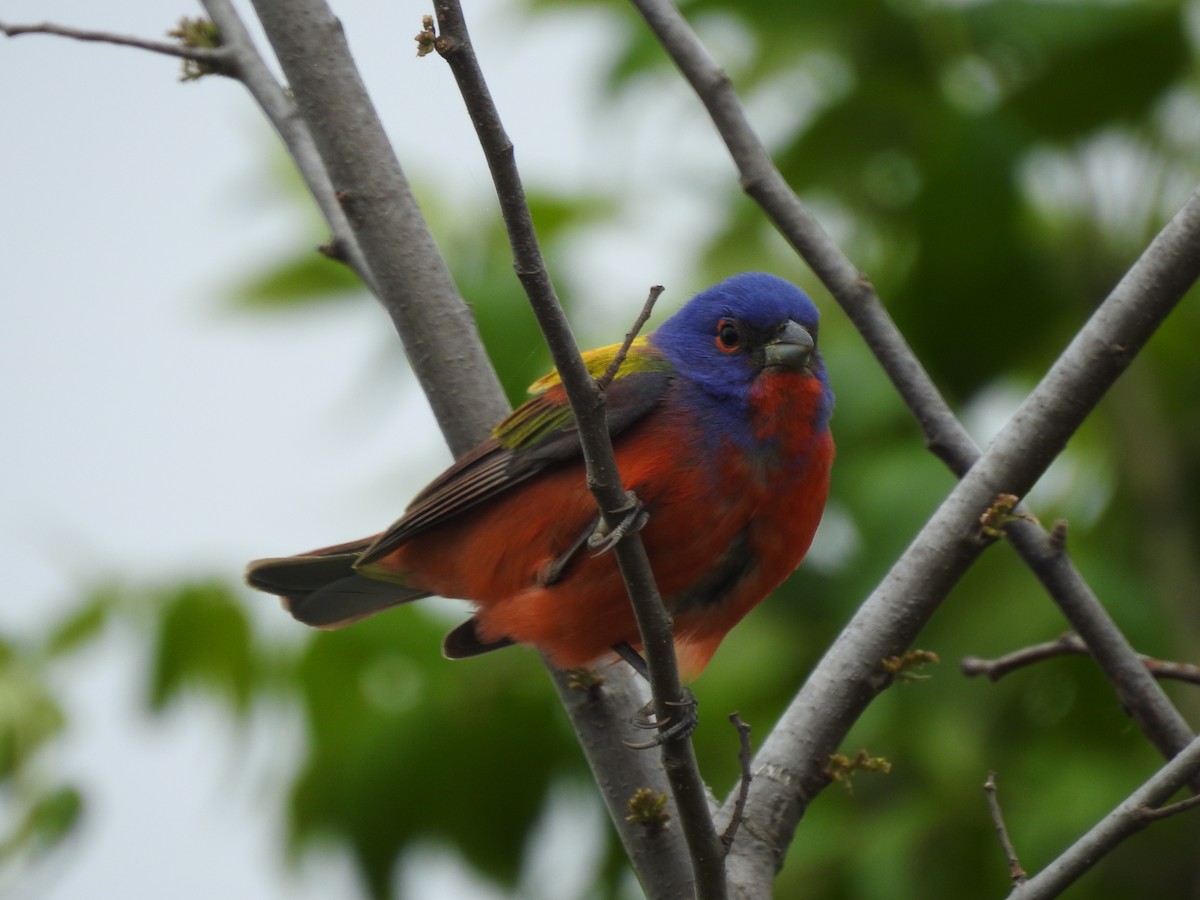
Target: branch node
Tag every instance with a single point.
(841, 768)
(201, 34)
(426, 38)
(998, 515)
(1147, 814)
(1058, 537)
(649, 809)
(904, 667)
(334, 249)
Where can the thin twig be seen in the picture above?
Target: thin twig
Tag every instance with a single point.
(1143, 698)
(1154, 814)
(1127, 819)
(1010, 853)
(745, 758)
(610, 373)
(604, 480)
(217, 58)
(1069, 644)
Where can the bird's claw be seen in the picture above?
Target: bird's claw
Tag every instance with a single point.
(670, 728)
(634, 517)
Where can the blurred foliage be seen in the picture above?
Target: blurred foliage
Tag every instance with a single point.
(994, 167)
(37, 808)
(404, 747)
(195, 620)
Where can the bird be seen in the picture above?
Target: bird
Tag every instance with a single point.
(720, 423)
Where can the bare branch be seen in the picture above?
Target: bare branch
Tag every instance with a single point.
(1068, 645)
(1135, 687)
(1131, 816)
(659, 857)
(846, 679)
(216, 58)
(456, 377)
(643, 317)
(604, 480)
(745, 758)
(1010, 853)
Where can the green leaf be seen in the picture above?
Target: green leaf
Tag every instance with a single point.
(29, 714)
(44, 823)
(55, 814)
(82, 624)
(305, 280)
(406, 746)
(203, 643)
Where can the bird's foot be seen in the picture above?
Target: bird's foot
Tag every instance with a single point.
(634, 516)
(679, 725)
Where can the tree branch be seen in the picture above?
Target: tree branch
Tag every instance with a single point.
(658, 856)
(639, 323)
(217, 58)
(1131, 816)
(1010, 853)
(745, 760)
(411, 279)
(944, 434)
(1068, 645)
(1139, 694)
(849, 676)
(587, 403)
(280, 110)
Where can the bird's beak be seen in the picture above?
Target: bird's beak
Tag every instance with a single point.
(791, 348)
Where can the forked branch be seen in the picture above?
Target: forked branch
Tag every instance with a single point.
(1143, 806)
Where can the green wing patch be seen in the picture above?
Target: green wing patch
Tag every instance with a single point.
(549, 411)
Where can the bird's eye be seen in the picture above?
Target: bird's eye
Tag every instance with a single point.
(729, 335)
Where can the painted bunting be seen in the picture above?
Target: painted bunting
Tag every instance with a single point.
(720, 424)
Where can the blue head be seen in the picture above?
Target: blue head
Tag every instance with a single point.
(725, 337)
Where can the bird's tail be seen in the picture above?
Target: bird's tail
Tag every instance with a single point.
(324, 589)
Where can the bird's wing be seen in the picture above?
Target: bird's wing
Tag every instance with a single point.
(539, 433)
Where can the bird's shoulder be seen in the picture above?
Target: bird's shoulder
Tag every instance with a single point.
(636, 387)
(537, 434)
